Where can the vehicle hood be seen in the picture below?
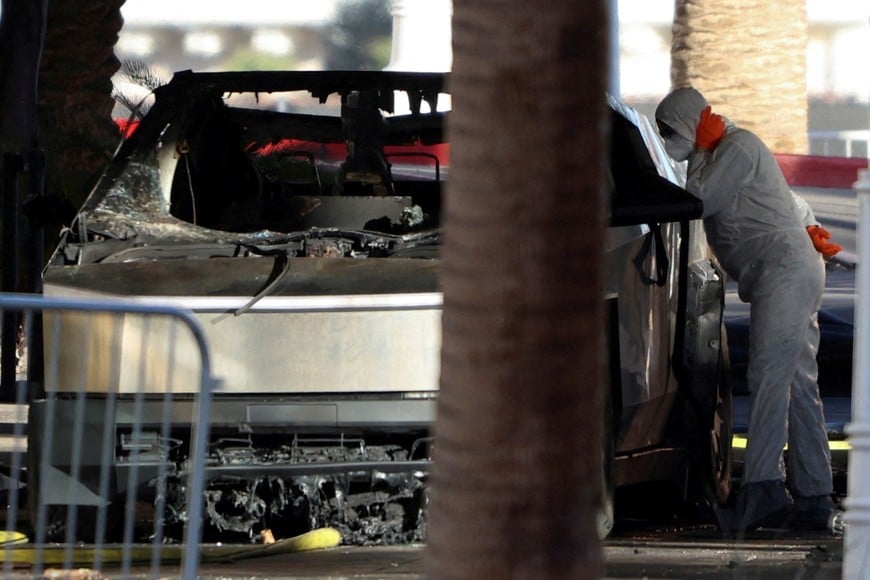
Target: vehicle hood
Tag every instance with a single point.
(248, 277)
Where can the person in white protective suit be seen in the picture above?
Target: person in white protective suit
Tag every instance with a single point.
(758, 229)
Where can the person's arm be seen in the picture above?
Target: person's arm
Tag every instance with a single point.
(808, 218)
(818, 235)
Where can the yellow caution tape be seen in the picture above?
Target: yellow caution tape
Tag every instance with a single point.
(740, 441)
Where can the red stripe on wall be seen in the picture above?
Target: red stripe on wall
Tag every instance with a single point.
(819, 171)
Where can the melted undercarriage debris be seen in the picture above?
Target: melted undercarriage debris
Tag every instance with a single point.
(368, 507)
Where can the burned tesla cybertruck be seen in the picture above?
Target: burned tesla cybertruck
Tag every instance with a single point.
(297, 215)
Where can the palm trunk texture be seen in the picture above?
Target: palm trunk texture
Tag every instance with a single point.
(75, 93)
(22, 30)
(517, 460)
(748, 57)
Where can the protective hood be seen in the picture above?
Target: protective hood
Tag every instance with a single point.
(681, 111)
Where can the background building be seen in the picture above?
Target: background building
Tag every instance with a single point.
(169, 35)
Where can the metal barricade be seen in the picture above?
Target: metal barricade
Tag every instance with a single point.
(105, 437)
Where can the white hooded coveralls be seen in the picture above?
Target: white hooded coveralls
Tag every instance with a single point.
(758, 233)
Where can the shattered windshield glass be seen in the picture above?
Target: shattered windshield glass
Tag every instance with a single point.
(134, 207)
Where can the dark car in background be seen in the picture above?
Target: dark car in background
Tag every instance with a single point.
(297, 214)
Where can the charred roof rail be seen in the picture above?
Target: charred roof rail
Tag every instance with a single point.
(321, 84)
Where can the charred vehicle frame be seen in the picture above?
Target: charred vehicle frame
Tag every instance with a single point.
(307, 244)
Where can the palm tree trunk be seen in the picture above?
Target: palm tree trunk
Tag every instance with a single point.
(517, 464)
(22, 30)
(75, 92)
(748, 57)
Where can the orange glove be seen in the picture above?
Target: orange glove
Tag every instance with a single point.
(710, 130)
(820, 237)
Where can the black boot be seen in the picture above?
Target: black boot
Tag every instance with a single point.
(759, 504)
(811, 512)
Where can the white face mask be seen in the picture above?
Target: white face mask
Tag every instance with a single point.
(678, 147)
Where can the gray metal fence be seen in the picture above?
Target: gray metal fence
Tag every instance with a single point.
(92, 399)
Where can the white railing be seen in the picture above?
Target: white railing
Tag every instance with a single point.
(853, 143)
(856, 543)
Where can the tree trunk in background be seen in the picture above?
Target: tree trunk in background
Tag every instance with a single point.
(22, 28)
(75, 93)
(517, 460)
(748, 57)
(21, 34)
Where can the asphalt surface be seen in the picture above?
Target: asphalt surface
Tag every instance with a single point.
(656, 553)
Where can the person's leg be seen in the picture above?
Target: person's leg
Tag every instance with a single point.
(784, 339)
(774, 344)
(809, 457)
(781, 303)
(762, 499)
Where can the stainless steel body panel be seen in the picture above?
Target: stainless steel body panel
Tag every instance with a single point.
(344, 350)
(382, 411)
(646, 312)
(282, 345)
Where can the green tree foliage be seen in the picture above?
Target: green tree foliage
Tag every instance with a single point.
(250, 59)
(359, 37)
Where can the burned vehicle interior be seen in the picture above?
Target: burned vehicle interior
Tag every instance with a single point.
(252, 182)
(242, 174)
(221, 173)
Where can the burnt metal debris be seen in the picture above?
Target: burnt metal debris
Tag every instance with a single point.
(369, 506)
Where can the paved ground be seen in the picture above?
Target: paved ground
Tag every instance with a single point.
(694, 554)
